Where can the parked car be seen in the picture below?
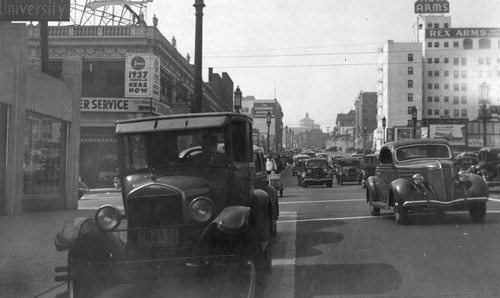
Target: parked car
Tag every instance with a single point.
(367, 168)
(348, 169)
(317, 172)
(301, 168)
(183, 212)
(295, 159)
(466, 160)
(420, 176)
(488, 165)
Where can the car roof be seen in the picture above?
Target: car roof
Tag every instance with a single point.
(400, 143)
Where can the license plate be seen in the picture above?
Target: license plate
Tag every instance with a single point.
(159, 237)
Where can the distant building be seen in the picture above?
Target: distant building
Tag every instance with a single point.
(343, 133)
(365, 108)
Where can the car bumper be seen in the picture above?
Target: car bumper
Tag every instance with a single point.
(444, 205)
(316, 181)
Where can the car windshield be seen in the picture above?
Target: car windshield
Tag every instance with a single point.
(317, 163)
(165, 149)
(433, 151)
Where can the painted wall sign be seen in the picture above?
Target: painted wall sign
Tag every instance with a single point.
(462, 33)
(128, 105)
(432, 6)
(142, 76)
(34, 10)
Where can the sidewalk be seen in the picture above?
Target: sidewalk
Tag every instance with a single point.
(28, 255)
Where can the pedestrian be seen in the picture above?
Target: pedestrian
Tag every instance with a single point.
(269, 166)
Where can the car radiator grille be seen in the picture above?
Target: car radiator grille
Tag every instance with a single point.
(441, 180)
(317, 173)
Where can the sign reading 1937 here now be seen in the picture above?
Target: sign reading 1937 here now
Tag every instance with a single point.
(34, 10)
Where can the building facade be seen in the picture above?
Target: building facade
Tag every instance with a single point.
(127, 72)
(365, 109)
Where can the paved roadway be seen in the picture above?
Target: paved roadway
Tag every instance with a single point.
(328, 245)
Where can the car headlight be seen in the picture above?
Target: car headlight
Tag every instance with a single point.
(201, 209)
(463, 176)
(108, 217)
(418, 179)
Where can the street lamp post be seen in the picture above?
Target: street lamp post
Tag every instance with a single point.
(198, 49)
(364, 141)
(268, 121)
(237, 99)
(414, 118)
(484, 90)
(384, 123)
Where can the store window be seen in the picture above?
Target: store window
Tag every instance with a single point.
(44, 156)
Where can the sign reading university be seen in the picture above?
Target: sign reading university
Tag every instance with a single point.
(34, 10)
(142, 76)
(462, 33)
(432, 6)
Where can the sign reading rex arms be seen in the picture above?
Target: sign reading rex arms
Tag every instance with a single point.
(34, 10)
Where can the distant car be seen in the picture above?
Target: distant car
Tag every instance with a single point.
(467, 159)
(488, 165)
(300, 168)
(322, 155)
(295, 159)
(317, 172)
(348, 170)
(309, 153)
(368, 166)
(420, 176)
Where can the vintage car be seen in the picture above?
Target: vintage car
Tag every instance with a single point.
(348, 169)
(317, 172)
(185, 214)
(300, 168)
(488, 165)
(368, 166)
(420, 176)
(466, 160)
(295, 159)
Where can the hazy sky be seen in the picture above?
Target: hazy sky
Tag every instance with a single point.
(314, 56)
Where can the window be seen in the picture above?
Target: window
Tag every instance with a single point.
(429, 86)
(455, 100)
(445, 25)
(429, 112)
(429, 98)
(446, 86)
(410, 70)
(480, 61)
(410, 57)
(463, 100)
(446, 44)
(410, 83)
(446, 99)
(456, 61)
(456, 74)
(446, 60)
(436, 112)
(436, 44)
(464, 74)
(436, 25)
(446, 112)
(429, 60)
(446, 73)
(436, 73)
(463, 87)
(410, 96)
(456, 113)
(429, 44)
(488, 61)
(436, 86)
(464, 113)
(464, 61)
(436, 60)
(429, 73)
(467, 44)
(44, 156)
(455, 44)
(436, 98)
(484, 43)
(456, 87)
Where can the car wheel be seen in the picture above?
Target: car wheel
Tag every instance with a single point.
(477, 211)
(281, 192)
(400, 214)
(373, 210)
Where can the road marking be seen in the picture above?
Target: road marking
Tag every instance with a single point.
(323, 201)
(281, 282)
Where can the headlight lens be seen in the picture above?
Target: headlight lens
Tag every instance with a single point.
(108, 217)
(201, 209)
(463, 175)
(418, 179)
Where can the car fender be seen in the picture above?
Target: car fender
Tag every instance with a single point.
(261, 211)
(82, 228)
(273, 199)
(399, 190)
(233, 220)
(371, 189)
(477, 187)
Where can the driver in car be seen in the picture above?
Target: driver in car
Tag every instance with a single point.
(209, 154)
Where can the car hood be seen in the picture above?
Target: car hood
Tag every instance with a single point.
(189, 185)
(425, 164)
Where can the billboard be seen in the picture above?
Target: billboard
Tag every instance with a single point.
(142, 76)
(34, 10)
(454, 133)
(462, 33)
(260, 109)
(432, 6)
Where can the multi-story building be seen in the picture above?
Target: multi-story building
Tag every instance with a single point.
(343, 133)
(128, 72)
(365, 109)
(440, 73)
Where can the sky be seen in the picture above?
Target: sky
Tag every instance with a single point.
(313, 56)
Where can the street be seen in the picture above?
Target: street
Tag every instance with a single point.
(329, 245)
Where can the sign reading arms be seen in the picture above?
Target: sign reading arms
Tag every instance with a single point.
(34, 10)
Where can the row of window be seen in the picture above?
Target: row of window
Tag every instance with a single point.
(467, 43)
(457, 74)
(446, 86)
(456, 99)
(456, 113)
(462, 61)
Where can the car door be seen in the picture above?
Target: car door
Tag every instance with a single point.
(385, 173)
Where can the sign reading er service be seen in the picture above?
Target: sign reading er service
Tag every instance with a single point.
(34, 10)
(142, 76)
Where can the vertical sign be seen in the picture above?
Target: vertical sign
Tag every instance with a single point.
(142, 76)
